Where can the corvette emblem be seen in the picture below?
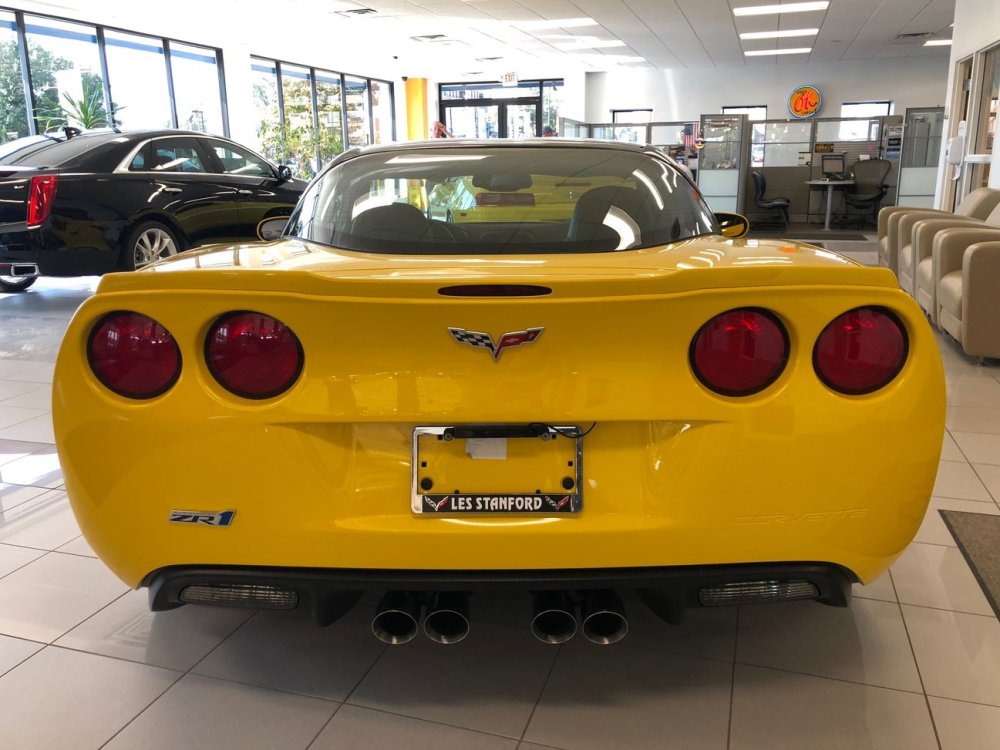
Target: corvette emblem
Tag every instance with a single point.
(485, 341)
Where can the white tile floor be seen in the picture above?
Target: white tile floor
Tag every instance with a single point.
(914, 663)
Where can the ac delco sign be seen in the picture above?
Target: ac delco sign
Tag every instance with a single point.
(804, 102)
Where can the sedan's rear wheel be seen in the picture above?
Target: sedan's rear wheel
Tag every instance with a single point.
(148, 242)
(16, 283)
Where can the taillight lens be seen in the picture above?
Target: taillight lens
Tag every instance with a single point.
(133, 355)
(253, 355)
(740, 352)
(40, 195)
(861, 350)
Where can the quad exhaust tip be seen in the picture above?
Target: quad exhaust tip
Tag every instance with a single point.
(447, 619)
(603, 616)
(553, 620)
(396, 618)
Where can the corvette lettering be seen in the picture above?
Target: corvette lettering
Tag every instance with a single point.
(824, 515)
(498, 503)
(485, 341)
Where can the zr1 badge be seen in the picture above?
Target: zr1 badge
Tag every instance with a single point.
(203, 518)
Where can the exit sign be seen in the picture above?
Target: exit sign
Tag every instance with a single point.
(509, 79)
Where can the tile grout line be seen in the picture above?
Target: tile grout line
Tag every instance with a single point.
(916, 664)
(732, 681)
(541, 692)
(180, 677)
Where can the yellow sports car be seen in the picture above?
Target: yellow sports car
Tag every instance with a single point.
(626, 396)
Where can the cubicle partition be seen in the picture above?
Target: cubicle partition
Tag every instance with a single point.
(723, 150)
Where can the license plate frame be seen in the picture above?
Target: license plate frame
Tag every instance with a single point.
(548, 500)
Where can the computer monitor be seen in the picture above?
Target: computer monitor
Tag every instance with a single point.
(833, 165)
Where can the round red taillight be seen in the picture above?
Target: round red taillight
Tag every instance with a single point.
(253, 355)
(740, 352)
(133, 355)
(861, 350)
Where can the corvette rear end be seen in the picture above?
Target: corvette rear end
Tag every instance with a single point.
(708, 421)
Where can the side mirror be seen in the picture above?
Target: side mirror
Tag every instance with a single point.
(271, 229)
(733, 225)
(284, 173)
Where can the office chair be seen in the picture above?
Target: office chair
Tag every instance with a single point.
(780, 204)
(869, 187)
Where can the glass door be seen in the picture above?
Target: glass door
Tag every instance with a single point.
(521, 119)
(473, 120)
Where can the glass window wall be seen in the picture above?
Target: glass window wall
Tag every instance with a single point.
(382, 115)
(552, 95)
(66, 77)
(196, 88)
(299, 134)
(137, 72)
(358, 130)
(13, 112)
(264, 75)
(330, 108)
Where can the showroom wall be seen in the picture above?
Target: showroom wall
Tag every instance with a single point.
(684, 94)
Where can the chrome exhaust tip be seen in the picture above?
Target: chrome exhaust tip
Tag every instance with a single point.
(553, 620)
(447, 619)
(396, 618)
(19, 270)
(603, 616)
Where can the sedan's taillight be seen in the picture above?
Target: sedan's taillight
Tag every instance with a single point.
(253, 355)
(740, 352)
(133, 355)
(40, 195)
(861, 350)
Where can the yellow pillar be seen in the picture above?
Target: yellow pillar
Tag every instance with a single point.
(417, 126)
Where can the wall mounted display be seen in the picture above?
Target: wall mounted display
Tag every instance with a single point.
(805, 102)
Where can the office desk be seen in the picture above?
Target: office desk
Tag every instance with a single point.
(830, 185)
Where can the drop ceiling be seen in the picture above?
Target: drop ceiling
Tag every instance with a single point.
(469, 37)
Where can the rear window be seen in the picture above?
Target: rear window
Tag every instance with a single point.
(20, 148)
(73, 153)
(491, 200)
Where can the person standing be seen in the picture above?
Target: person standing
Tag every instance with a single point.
(438, 130)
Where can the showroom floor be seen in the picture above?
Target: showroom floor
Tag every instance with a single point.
(914, 663)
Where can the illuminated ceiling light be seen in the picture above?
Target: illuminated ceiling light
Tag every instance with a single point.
(938, 43)
(764, 10)
(778, 34)
(591, 45)
(791, 51)
(556, 23)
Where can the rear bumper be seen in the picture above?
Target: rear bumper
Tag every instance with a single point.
(669, 591)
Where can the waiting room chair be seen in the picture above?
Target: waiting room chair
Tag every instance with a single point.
(869, 187)
(976, 204)
(773, 203)
(968, 276)
(916, 258)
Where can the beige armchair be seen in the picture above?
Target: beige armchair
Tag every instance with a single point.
(935, 243)
(977, 204)
(915, 258)
(968, 276)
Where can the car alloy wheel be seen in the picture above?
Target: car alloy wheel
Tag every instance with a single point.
(151, 244)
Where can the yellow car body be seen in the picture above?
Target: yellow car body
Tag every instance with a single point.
(321, 478)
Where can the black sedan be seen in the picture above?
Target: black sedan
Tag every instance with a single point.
(106, 201)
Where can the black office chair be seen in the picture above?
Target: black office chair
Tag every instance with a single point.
(869, 187)
(772, 203)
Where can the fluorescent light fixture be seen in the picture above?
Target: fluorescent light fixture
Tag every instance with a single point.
(938, 43)
(600, 44)
(765, 10)
(778, 34)
(556, 23)
(791, 51)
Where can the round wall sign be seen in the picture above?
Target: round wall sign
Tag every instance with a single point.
(804, 102)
